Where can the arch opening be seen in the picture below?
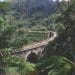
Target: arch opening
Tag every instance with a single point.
(32, 57)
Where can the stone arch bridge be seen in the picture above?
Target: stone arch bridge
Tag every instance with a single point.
(36, 49)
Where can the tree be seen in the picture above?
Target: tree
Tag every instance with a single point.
(55, 65)
(64, 44)
(7, 60)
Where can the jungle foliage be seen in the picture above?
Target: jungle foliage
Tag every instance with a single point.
(59, 55)
(17, 30)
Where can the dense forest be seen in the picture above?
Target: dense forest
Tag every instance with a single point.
(25, 22)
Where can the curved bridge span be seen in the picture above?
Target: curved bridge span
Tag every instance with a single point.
(36, 48)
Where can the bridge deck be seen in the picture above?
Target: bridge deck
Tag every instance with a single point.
(36, 45)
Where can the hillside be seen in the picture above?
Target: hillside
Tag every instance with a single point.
(26, 45)
(29, 15)
(26, 8)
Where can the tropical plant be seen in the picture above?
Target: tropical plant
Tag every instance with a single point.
(7, 60)
(63, 45)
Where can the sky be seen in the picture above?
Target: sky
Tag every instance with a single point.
(53, 0)
(60, 0)
(1, 0)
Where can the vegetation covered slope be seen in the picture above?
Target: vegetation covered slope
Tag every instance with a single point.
(36, 21)
(59, 55)
(9, 62)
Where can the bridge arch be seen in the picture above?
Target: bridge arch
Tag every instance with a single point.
(32, 57)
